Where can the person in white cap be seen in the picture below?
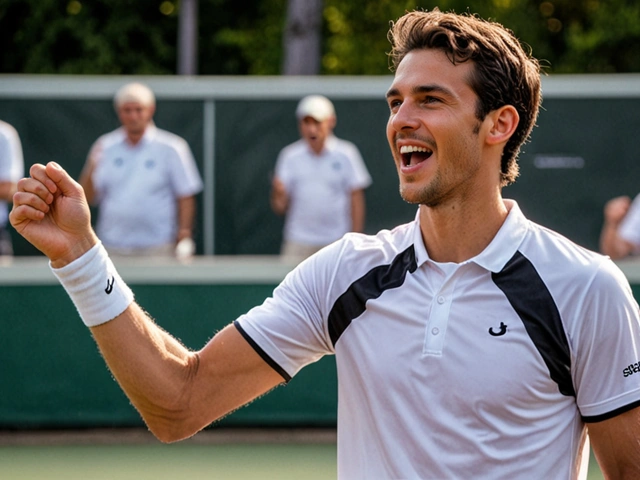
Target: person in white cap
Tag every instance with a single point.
(319, 183)
(620, 235)
(11, 170)
(144, 181)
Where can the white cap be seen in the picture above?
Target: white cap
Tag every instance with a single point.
(134, 93)
(315, 106)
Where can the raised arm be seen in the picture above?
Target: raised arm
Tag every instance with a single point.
(177, 391)
(610, 241)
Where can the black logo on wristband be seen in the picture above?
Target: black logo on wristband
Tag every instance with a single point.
(109, 288)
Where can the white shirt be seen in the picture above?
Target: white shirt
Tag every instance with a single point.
(11, 163)
(630, 225)
(319, 188)
(137, 187)
(487, 369)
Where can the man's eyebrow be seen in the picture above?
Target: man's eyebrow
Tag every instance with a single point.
(394, 92)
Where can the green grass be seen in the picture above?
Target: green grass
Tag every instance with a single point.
(170, 462)
(178, 461)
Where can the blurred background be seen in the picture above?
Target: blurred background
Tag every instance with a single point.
(227, 76)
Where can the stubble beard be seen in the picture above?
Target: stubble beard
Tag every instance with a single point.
(430, 195)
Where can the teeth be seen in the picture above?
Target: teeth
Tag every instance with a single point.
(412, 148)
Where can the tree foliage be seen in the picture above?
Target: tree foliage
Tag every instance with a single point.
(239, 38)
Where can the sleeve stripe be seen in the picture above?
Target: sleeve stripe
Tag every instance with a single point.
(272, 363)
(611, 414)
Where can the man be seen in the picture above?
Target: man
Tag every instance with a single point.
(11, 170)
(319, 183)
(144, 181)
(620, 236)
(470, 343)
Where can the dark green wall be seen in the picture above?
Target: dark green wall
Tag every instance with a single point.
(52, 375)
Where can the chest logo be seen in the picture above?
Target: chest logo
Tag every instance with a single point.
(499, 333)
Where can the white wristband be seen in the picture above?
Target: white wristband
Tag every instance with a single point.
(95, 287)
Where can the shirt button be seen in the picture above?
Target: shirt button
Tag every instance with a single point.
(440, 299)
(435, 330)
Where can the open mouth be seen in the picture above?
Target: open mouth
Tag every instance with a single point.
(413, 155)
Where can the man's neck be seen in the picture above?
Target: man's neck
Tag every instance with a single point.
(455, 232)
(134, 138)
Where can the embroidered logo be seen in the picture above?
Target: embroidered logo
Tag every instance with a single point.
(109, 288)
(499, 333)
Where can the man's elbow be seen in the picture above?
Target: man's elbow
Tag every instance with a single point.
(172, 428)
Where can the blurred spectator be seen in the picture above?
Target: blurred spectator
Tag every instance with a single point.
(319, 183)
(11, 170)
(620, 235)
(144, 181)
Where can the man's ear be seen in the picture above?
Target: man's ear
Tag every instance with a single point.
(504, 122)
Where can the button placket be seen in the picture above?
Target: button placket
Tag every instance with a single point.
(439, 317)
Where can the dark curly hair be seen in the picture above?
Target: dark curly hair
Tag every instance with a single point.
(504, 74)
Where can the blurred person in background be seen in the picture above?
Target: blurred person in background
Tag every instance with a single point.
(11, 170)
(620, 236)
(319, 183)
(143, 181)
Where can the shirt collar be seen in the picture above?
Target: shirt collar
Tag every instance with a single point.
(496, 255)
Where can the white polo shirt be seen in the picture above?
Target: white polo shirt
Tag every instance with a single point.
(137, 187)
(319, 188)
(487, 369)
(11, 163)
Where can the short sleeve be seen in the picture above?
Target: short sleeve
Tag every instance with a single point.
(361, 178)
(184, 171)
(290, 327)
(606, 347)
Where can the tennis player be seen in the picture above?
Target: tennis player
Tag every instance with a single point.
(470, 343)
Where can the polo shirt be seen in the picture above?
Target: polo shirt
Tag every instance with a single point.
(487, 369)
(137, 187)
(319, 188)
(11, 163)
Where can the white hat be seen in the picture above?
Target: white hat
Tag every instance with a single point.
(315, 106)
(134, 93)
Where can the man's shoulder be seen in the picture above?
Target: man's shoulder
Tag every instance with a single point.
(294, 148)
(108, 141)
(168, 137)
(550, 250)
(7, 130)
(371, 250)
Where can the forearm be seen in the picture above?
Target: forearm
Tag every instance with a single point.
(86, 181)
(358, 211)
(7, 189)
(279, 202)
(611, 244)
(153, 369)
(186, 215)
